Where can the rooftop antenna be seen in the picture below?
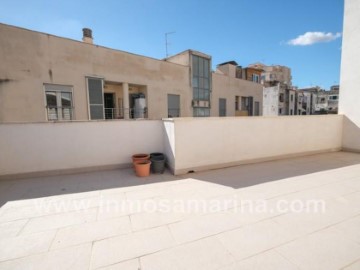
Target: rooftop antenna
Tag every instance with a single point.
(167, 43)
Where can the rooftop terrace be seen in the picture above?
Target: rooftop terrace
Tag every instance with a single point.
(220, 219)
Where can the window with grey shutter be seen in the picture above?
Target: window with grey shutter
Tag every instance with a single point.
(96, 100)
(173, 106)
(222, 107)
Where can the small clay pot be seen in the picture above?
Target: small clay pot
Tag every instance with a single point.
(138, 157)
(142, 168)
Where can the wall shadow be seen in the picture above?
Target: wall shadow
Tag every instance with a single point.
(350, 135)
(258, 173)
(235, 177)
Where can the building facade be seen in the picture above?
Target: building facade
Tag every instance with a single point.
(322, 101)
(199, 65)
(273, 74)
(49, 78)
(279, 100)
(236, 91)
(279, 95)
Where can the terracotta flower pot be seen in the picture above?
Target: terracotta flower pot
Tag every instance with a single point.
(142, 168)
(139, 157)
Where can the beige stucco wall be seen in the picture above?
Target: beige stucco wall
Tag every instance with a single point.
(227, 70)
(228, 87)
(44, 147)
(182, 58)
(349, 102)
(237, 140)
(29, 59)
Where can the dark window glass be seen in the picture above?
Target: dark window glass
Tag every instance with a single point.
(51, 99)
(65, 99)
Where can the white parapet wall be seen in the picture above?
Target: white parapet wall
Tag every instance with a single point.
(208, 143)
(190, 144)
(28, 149)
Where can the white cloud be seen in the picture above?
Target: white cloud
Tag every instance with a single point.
(310, 38)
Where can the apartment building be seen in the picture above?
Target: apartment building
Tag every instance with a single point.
(279, 100)
(274, 73)
(49, 78)
(322, 101)
(279, 95)
(303, 105)
(333, 99)
(200, 81)
(229, 91)
(238, 91)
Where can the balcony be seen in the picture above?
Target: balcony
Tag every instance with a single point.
(133, 113)
(55, 113)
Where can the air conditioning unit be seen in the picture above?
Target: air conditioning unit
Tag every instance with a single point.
(195, 103)
(201, 103)
(204, 103)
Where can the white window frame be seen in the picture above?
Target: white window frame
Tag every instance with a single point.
(58, 89)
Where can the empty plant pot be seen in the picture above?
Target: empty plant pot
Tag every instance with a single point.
(158, 156)
(157, 162)
(139, 157)
(158, 166)
(142, 168)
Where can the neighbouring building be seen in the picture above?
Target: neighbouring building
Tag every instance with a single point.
(322, 101)
(290, 101)
(200, 81)
(333, 99)
(229, 91)
(46, 78)
(303, 102)
(273, 74)
(271, 100)
(321, 104)
(238, 91)
(311, 95)
(279, 95)
(279, 99)
(49, 78)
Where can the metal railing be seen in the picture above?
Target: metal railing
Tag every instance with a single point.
(59, 113)
(173, 113)
(66, 113)
(122, 113)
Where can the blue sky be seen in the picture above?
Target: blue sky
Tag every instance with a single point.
(246, 31)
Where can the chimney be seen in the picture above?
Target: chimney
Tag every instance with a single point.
(87, 36)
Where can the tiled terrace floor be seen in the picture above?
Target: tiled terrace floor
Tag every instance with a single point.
(81, 221)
